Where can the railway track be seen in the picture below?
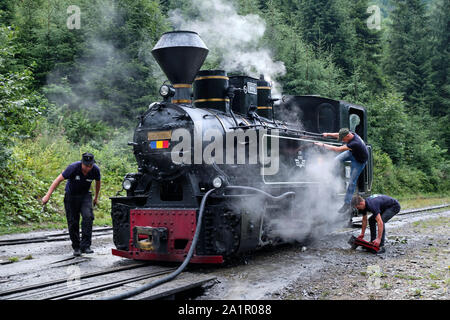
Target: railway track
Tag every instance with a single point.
(101, 282)
(112, 280)
(357, 220)
(59, 236)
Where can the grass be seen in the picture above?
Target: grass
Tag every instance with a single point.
(419, 201)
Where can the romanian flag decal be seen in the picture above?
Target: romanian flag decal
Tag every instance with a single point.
(160, 144)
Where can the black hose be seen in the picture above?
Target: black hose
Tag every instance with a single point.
(171, 276)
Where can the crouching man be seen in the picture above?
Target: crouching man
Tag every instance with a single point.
(78, 199)
(383, 208)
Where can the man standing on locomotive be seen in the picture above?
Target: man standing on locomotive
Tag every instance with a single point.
(383, 208)
(355, 151)
(78, 199)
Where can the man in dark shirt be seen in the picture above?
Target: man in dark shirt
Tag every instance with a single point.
(383, 208)
(78, 199)
(355, 151)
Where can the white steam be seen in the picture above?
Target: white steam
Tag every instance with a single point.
(315, 210)
(233, 39)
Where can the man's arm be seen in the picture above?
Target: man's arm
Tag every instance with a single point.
(97, 191)
(334, 135)
(380, 225)
(364, 226)
(332, 148)
(52, 188)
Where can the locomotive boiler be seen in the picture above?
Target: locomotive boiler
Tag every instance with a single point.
(219, 160)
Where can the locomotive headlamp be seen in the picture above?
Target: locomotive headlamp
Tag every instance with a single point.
(127, 183)
(217, 182)
(166, 91)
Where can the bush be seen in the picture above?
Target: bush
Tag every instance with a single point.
(35, 163)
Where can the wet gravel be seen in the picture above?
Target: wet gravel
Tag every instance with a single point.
(416, 265)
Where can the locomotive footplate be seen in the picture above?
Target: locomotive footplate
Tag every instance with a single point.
(150, 239)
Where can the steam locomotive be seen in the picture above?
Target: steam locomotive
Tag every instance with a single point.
(220, 137)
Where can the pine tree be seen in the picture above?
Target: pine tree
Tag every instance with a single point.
(408, 62)
(307, 71)
(367, 48)
(440, 63)
(326, 25)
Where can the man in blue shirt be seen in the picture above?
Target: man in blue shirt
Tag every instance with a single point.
(383, 208)
(78, 199)
(353, 150)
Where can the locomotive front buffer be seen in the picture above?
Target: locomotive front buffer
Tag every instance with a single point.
(150, 239)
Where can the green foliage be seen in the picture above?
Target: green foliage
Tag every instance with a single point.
(20, 105)
(79, 129)
(37, 162)
(64, 92)
(388, 125)
(103, 69)
(307, 72)
(407, 61)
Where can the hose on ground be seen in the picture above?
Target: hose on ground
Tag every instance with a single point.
(174, 274)
(171, 276)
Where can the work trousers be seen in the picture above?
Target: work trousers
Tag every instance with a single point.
(74, 205)
(355, 170)
(386, 215)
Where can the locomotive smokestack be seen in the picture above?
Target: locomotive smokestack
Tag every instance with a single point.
(180, 54)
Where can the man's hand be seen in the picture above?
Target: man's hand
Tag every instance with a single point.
(95, 202)
(361, 236)
(376, 242)
(45, 199)
(320, 144)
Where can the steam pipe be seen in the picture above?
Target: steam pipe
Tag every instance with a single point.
(276, 198)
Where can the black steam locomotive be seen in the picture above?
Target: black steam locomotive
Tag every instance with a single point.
(219, 152)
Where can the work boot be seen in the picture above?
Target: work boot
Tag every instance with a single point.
(87, 250)
(76, 252)
(344, 208)
(382, 250)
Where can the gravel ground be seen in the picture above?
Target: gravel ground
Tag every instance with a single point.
(415, 265)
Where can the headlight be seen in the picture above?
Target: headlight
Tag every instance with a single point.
(217, 182)
(127, 184)
(166, 91)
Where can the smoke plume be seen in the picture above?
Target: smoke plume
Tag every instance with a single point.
(234, 40)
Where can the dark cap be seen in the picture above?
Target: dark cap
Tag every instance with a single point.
(87, 159)
(343, 132)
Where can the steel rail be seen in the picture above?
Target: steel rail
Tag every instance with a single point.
(52, 237)
(58, 281)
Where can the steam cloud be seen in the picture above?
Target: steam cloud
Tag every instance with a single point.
(233, 39)
(314, 212)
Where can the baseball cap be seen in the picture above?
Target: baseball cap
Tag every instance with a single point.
(343, 132)
(87, 159)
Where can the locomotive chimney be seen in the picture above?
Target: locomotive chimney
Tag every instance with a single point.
(180, 54)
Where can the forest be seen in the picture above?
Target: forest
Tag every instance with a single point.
(75, 74)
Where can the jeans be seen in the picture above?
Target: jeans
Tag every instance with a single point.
(74, 205)
(386, 215)
(356, 169)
